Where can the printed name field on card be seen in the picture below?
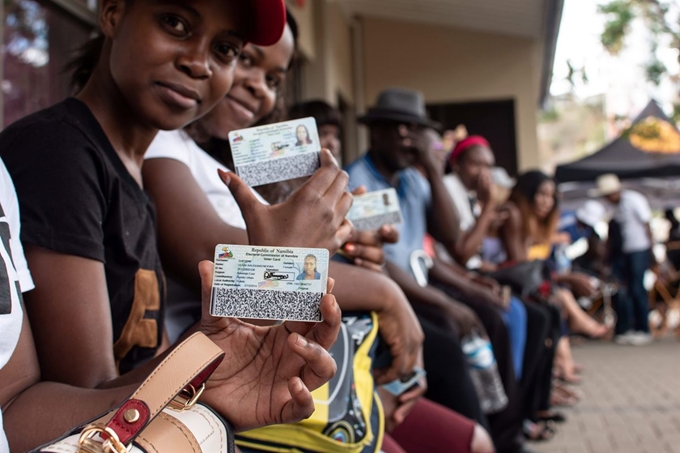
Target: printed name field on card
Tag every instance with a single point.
(276, 152)
(276, 283)
(372, 210)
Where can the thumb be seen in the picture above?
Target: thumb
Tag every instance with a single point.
(241, 192)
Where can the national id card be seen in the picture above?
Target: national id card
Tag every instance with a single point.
(372, 210)
(276, 152)
(276, 283)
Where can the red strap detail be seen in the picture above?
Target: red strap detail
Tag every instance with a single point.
(128, 431)
(545, 289)
(205, 374)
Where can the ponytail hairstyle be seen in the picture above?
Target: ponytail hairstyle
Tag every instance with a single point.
(86, 58)
(84, 62)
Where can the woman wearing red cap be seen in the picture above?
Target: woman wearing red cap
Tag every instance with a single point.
(88, 228)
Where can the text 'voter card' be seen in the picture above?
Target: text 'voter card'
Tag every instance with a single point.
(372, 210)
(276, 152)
(280, 283)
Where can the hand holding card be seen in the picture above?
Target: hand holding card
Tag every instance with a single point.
(313, 217)
(283, 364)
(372, 210)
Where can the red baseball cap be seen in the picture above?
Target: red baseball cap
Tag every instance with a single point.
(268, 23)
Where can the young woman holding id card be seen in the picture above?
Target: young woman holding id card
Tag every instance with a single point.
(89, 228)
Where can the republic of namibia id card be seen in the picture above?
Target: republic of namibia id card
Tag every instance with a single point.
(372, 210)
(276, 152)
(278, 283)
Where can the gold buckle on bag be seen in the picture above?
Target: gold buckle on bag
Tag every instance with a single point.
(87, 443)
(187, 398)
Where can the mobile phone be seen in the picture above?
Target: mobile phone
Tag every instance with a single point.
(402, 385)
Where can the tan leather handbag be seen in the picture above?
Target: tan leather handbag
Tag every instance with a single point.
(163, 415)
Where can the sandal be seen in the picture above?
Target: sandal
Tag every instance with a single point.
(570, 379)
(563, 396)
(538, 432)
(552, 416)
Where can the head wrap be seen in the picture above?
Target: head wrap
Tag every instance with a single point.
(467, 143)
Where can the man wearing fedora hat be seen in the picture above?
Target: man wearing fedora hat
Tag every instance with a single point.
(632, 215)
(398, 143)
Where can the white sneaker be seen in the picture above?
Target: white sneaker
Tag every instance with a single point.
(625, 338)
(640, 339)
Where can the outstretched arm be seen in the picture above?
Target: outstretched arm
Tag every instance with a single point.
(54, 408)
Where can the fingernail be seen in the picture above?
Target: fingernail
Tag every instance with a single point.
(301, 341)
(224, 176)
(350, 248)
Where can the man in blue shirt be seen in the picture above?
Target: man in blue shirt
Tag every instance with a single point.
(398, 144)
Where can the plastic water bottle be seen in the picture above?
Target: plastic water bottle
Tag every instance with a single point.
(484, 373)
(562, 261)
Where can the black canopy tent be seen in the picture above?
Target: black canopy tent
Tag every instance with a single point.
(650, 148)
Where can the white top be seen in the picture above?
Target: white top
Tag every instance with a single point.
(634, 214)
(461, 200)
(183, 306)
(14, 277)
(179, 146)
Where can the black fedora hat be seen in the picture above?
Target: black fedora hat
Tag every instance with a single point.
(399, 105)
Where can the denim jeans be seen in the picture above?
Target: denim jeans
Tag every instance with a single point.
(516, 321)
(632, 305)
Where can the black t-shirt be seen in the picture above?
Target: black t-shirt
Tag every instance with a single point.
(78, 198)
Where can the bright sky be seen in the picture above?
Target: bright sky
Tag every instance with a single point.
(621, 79)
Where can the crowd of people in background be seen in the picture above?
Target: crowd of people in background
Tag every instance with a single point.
(123, 191)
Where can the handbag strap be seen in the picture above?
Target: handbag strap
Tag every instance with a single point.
(183, 371)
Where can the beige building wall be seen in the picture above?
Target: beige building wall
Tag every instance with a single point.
(454, 65)
(326, 45)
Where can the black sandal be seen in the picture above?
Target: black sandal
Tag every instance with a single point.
(538, 432)
(552, 416)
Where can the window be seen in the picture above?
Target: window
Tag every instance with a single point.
(38, 39)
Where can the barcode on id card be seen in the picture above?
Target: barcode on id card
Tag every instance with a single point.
(281, 169)
(263, 304)
(375, 222)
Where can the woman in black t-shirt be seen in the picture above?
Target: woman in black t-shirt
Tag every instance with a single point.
(89, 228)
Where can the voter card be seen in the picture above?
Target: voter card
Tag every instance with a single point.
(276, 152)
(372, 210)
(279, 283)
(399, 386)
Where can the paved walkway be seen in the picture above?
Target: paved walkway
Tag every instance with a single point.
(631, 401)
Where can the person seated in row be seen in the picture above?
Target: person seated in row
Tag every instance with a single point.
(96, 313)
(397, 143)
(482, 214)
(196, 210)
(415, 432)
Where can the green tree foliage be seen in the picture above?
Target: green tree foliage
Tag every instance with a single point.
(659, 17)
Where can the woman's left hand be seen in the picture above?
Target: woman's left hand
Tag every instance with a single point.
(365, 248)
(268, 373)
